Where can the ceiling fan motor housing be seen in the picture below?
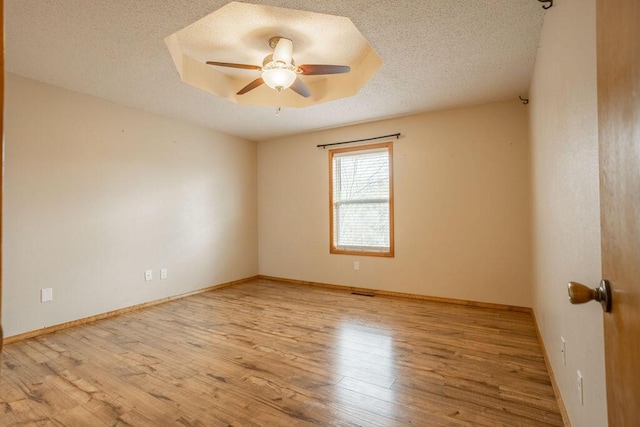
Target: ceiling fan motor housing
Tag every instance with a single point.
(283, 50)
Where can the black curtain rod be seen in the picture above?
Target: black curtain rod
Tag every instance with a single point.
(396, 135)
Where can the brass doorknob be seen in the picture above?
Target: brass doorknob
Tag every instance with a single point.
(579, 294)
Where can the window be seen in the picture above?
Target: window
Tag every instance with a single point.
(361, 198)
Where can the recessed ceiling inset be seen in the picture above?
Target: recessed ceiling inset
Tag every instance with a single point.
(237, 39)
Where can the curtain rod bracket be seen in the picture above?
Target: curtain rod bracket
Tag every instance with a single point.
(546, 6)
(393, 135)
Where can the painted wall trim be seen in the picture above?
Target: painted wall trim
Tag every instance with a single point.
(399, 294)
(90, 319)
(552, 377)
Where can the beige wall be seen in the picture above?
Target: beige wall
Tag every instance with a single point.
(462, 214)
(566, 207)
(96, 193)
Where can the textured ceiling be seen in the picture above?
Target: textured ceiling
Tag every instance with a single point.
(437, 54)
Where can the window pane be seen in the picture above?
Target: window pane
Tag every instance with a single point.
(361, 176)
(364, 225)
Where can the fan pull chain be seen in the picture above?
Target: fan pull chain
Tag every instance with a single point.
(278, 103)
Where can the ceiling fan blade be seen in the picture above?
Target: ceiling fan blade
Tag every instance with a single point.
(310, 70)
(254, 84)
(300, 88)
(231, 65)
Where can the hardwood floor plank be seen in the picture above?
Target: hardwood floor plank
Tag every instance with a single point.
(270, 353)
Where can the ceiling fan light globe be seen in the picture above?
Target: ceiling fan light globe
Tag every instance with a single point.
(278, 78)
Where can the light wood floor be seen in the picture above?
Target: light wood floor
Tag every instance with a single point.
(271, 354)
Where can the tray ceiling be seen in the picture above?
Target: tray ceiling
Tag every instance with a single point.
(240, 32)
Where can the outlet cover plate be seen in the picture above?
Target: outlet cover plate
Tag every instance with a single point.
(46, 295)
(580, 384)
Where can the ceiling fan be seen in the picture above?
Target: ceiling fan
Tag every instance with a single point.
(279, 70)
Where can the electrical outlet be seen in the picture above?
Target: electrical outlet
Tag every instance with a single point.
(563, 351)
(148, 275)
(356, 265)
(163, 274)
(580, 384)
(46, 295)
